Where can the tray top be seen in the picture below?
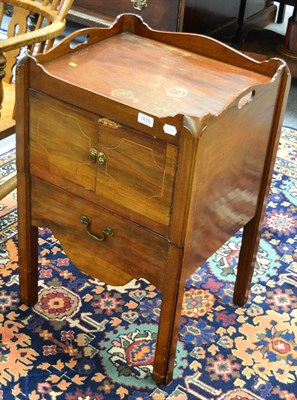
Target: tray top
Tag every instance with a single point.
(154, 77)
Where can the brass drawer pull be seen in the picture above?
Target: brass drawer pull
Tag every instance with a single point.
(107, 231)
(139, 4)
(97, 156)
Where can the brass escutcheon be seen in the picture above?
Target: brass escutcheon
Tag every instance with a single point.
(139, 4)
(108, 123)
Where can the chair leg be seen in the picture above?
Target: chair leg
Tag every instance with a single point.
(281, 13)
(2, 74)
(8, 186)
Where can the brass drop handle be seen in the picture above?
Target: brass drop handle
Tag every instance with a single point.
(97, 156)
(105, 233)
(139, 4)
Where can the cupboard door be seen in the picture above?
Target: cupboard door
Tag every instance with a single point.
(137, 172)
(61, 137)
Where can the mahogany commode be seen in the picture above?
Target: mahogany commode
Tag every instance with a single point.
(144, 151)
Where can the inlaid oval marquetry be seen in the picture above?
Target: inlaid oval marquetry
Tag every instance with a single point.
(178, 92)
(123, 94)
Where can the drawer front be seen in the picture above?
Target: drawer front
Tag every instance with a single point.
(116, 257)
(162, 14)
(125, 170)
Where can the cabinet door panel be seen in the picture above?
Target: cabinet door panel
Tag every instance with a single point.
(138, 173)
(136, 176)
(61, 137)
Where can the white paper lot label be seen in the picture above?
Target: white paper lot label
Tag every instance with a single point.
(145, 120)
(170, 129)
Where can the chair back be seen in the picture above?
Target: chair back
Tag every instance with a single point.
(19, 17)
(24, 24)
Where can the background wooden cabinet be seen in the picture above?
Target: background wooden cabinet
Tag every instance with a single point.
(224, 19)
(164, 15)
(227, 19)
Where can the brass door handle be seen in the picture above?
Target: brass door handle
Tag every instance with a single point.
(97, 156)
(105, 233)
(93, 154)
(101, 158)
(139, 4)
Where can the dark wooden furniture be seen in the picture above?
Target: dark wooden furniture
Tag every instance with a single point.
(289, 48)
(163, 15)
(228, 20)
(145, 174)
(224, 19)
(282, 9)
(266, 43)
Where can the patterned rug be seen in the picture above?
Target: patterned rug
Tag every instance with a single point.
(8, 215)
(85, 340)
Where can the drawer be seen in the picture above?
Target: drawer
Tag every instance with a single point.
(117, 167)
(128, 252)
(162, 14)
